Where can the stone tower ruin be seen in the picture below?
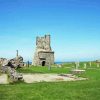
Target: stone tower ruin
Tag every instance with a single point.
(44, 55)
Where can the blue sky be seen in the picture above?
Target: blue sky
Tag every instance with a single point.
(74, 26)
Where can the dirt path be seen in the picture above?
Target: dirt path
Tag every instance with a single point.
(31, 78)
(3, 79)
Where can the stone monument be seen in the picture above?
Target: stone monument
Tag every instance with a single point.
(17, 61)
(44, 56)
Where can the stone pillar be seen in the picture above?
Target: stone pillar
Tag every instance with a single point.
(28, 63)
(16, 53)
(90, 64)
(49, 66)
(77, 65)
(85, 66)
(97, 64)
(37, 40)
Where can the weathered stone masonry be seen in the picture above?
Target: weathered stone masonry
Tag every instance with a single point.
(44, 55)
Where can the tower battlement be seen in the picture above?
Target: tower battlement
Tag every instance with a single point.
(43, 43)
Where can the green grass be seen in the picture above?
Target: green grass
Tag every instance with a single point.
(33, 69)
(78, 90)
(66, 67)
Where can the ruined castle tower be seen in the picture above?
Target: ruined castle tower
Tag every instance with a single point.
(44, 55)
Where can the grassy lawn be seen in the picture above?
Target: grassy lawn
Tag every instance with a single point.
(66, 68)
(33, 69)
(78, 90)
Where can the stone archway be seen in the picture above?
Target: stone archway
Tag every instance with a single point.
(43, 63)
